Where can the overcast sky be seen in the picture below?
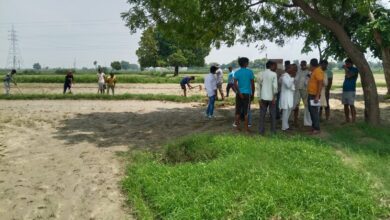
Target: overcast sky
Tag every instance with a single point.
(56, 33)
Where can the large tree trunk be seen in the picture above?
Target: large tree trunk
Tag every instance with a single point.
(371, 101)
(386, 66)
(176, 71)
(385, 52)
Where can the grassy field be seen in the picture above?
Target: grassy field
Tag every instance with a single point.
(144, 97)
(243, 177)
(93, 79)
(152, 77)
(366, 149)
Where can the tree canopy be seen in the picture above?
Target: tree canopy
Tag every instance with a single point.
(212, 22)
(158, 50)
(116, 65)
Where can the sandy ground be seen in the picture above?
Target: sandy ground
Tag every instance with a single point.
(45, 88)
(58, 159)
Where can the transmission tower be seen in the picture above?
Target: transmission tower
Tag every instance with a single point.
(14, 56)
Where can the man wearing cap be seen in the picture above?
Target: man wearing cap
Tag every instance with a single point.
(314, 88)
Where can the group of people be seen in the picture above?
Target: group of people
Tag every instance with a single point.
(104, 82)
(280, 92)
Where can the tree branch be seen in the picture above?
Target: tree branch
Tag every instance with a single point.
(264, 1)
(256, 3)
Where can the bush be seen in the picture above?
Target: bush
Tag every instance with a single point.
(195, 149)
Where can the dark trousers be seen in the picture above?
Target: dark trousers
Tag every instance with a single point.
(228, 87)
(277, 106)
(66, 87)
(314, 113)
(264, 106)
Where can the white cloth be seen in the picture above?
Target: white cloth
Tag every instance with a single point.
(287, 92)
(285, 116)
(219, 74)
(267, 85)
(210, 84)
(301, 78)
(101, 77)
(301, 94)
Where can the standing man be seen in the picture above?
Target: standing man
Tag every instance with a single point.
(7, 81)
(314, 88)
(245, 86)
(230, 84)
(210, 84)
(111, 83)
(101, 81)
(219, 74)
(301, 80)
(349, 90)
(328, 86)
(287, 95)
(267, 92)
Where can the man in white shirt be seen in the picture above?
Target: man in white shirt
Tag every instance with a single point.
(101, 81)
(219, 75)
(287, 94)
(268, 89)
(210, 84)
(301, 79)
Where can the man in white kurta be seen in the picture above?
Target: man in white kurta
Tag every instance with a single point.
(301, 94)
(287, 95)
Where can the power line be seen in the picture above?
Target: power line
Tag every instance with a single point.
(14, 56)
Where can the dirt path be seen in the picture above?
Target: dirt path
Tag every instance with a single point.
(58, 158)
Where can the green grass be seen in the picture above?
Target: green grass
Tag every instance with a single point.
(145, 97)
(129, 78)
(368, 148)
(241, 177)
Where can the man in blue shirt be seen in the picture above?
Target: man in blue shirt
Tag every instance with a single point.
(230, 84)
(186, 81)
(349, 90)
(245, 87)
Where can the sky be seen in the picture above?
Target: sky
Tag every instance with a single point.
(61, 33)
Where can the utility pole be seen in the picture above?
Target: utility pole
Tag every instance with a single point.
(74, 64)
(14, 57)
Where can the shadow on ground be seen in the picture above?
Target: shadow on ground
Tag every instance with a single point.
(152, 130)
(141, 130)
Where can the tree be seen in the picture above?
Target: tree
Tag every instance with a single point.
(148, 51)
(368, 29)
(125, 65)
(133, 66)
(95, 64)
(116, 65)
(273, 20)
(37, 66)
(177, 60)
(172, 53)
(379, 25)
